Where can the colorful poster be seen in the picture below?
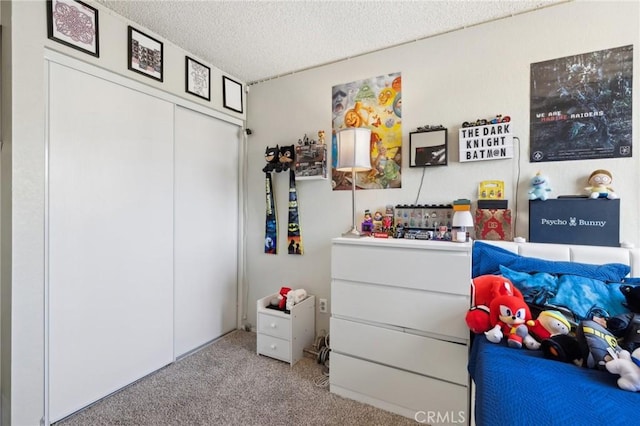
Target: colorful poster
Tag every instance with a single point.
(374, 103)
(581, 106)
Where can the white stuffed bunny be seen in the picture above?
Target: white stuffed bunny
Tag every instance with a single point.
(295, 296)
(627, 368)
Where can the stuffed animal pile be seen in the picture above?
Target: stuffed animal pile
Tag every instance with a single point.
(499, 311)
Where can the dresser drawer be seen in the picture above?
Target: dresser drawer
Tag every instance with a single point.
(424, 355)
(405, 392)
(274, 326)
(274, 347)
(430, 266)
(425, 311)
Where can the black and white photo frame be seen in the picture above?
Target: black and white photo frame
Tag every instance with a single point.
(232, 94)
(197, 78)
(428, 148)
(74, 24)
(145, 54)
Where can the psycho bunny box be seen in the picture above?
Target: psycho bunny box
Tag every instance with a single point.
(575, 221)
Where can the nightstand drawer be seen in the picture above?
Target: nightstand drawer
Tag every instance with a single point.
(274, 326)
(274, 347)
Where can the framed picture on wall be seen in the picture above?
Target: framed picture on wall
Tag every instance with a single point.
(232, 94)
(74, 24)
(197, 78)
(428, 148)
(145, 54)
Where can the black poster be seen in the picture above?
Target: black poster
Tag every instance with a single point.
(581, 106)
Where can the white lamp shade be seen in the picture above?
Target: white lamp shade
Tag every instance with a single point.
(354, 153)
(462, 218)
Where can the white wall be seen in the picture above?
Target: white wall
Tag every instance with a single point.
(473, 73)
(23, 183)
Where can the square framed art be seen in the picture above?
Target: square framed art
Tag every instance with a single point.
(145, 54)
(197, 78)
(428, 148)
(74, 24)
(232, 94)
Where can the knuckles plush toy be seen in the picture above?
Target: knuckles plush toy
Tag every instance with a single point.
(483, 290)
(499, 310)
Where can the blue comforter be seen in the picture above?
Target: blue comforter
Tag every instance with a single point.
(544, 392)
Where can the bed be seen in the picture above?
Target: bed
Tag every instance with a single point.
(519, 386)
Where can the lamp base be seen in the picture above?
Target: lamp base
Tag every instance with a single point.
(353, 233)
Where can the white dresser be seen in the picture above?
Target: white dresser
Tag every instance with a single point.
(283, 335)
(398, 336)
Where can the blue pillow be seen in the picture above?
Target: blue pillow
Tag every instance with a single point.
(581, 295)
(487, 259)
(537, 288)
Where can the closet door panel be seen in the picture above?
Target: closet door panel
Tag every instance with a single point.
(110, 242)
(206, 228)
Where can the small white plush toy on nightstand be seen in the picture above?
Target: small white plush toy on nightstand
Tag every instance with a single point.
(295, 296)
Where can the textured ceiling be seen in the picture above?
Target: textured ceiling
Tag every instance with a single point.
(259, 40)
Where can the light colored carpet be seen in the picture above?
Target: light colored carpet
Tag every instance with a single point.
(227, 383)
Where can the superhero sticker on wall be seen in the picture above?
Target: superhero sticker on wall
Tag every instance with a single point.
(374, 103)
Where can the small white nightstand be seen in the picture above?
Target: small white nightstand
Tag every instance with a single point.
(284, 336)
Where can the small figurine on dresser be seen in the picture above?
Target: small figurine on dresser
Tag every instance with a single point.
(367, 223)
(377, 221)
(387, 220)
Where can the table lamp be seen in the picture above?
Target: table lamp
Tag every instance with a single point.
(462, 219)
(354, 155)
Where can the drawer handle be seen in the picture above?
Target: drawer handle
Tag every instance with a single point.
(273, 346)
(273, 325)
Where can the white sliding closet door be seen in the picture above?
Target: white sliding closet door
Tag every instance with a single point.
(110, 241)
(206, 228)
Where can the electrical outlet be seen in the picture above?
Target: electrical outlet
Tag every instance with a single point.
(322, 305)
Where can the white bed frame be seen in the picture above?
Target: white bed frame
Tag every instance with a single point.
(576, 253)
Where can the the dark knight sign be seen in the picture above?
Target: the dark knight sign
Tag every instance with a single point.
(581, 106)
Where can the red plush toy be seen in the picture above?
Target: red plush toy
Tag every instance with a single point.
(283, 297)
(484, 289)
(499, 310)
